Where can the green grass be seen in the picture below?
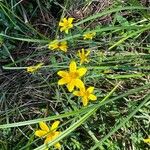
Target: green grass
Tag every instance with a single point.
(119, 69)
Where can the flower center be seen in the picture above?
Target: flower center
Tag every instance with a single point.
(59, 44)
(83, 56)
(74, 75)
(66, 24)
(87, 94)
(51, 134)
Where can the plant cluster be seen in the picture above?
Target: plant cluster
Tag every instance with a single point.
(86, 73)
(71, 78)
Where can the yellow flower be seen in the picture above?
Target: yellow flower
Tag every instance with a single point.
(72, 77)
(86, 95)
(66, 24)
(83, 56)
(146, 140)
(49, 133)
(33, 69)
(89, 35)
(58, 45)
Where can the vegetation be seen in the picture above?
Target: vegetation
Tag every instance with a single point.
(75, 75)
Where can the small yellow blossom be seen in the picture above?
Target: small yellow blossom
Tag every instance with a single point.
(66, 24)
(146, 140)
(48, 133)
(108, 71)
(58, 45)
(33, 69)
(72, 77)
(86, 95)
(83, 56)
(89, 35)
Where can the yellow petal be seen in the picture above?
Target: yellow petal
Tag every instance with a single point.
(90, 89)
(79, 53)
(70, 20)
(83, 51)
(61, 23)
(64, 20)
(84, 37)
(84, 101)
(86, 60)
(52, 137)
(72, 66)
(61, 29)
(31, 69)
(70, 26)
(146, 140)
(81, 61)
(43, 126)
(92, 97)
(40, 133)
(48, 139)
(66, 31)
(57, 145)
(63, 48)
(78, 83)
(62, 81)
(54, 126)
(53, 45)
(62, 73)
(77, 93)
(39, 65)
(70, 86)
(55, 134)
(81, 71)
(87, 53)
